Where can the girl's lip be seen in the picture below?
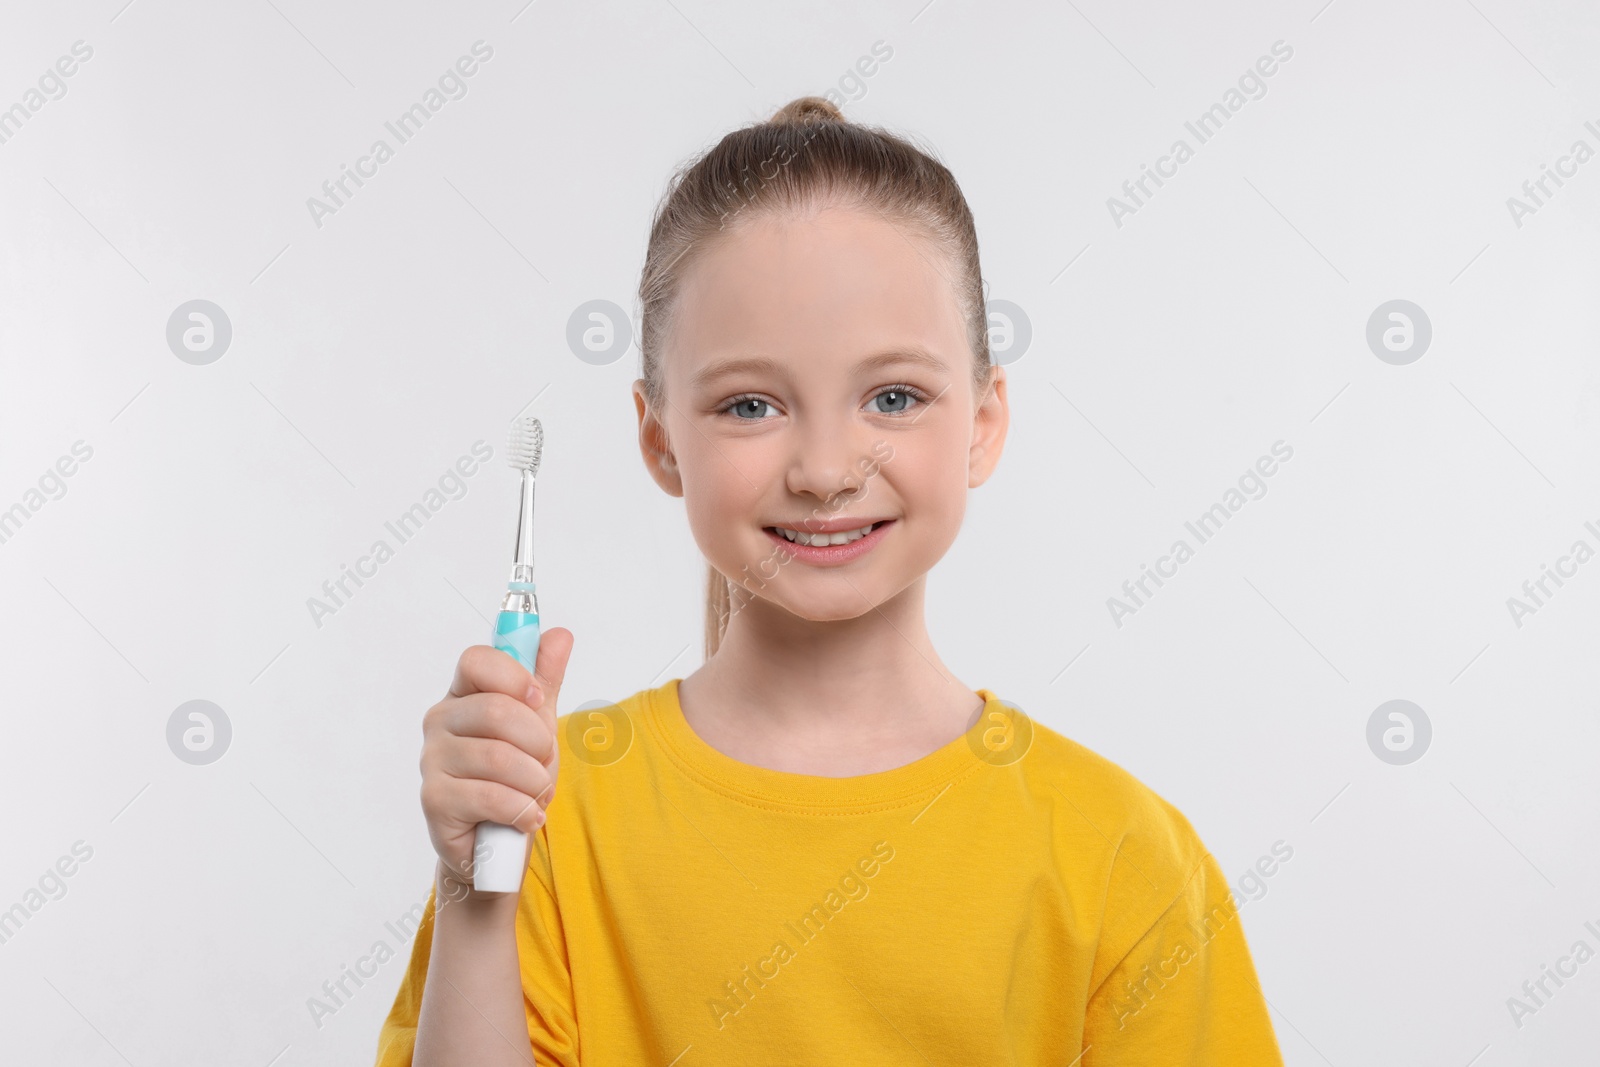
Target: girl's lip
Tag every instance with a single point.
(831, 555)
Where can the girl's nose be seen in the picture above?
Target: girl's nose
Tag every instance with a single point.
(828, 458)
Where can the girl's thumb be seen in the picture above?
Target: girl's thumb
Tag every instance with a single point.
(550, 665)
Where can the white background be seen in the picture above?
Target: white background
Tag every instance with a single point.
(1167, 354)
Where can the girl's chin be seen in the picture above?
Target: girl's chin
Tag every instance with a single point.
(839, 603)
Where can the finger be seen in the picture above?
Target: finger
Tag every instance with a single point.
(549, 669)
(486, 669)
(550, 666)
(502, 804)
(502, 718)
(489, 760)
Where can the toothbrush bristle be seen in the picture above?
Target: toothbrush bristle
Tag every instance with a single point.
(526, 445)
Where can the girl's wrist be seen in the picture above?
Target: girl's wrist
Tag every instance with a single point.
(453, 890)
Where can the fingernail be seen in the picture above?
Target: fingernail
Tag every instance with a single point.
(534, 696)
(538, 818)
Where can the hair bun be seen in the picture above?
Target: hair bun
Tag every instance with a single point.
(807, 109)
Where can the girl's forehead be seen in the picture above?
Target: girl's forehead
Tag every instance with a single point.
(838, 281)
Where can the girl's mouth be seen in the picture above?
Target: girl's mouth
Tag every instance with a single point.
(856, 543)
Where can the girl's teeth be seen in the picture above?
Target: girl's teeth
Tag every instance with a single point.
(825, 539)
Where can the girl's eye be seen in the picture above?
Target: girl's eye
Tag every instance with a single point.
(896, 400)
(748, 408)
(893, 400)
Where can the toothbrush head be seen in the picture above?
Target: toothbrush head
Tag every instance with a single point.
(526, 445)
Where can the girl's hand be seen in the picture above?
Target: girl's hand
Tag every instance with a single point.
(489, 749)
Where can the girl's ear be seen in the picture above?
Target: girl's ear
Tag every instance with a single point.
(654, 445)
(989, 426)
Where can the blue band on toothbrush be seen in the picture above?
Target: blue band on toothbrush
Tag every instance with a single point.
(520, 587)
(517, 635)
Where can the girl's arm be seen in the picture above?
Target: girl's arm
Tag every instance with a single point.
(489, 753)
(472, 1000)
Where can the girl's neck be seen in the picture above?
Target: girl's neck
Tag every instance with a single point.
(836, 699)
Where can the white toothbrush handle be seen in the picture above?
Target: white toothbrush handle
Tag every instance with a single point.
(500, 852)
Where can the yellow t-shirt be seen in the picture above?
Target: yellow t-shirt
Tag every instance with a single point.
(1011, 898)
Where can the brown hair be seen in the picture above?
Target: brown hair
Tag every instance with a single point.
(806, 155)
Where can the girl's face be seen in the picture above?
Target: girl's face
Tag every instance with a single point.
(818, 373)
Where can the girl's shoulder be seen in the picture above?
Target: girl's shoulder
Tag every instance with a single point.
(1105, 799)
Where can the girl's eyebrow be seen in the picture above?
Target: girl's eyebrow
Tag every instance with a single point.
(913, 354)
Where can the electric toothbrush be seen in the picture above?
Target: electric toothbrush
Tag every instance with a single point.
(502, 850)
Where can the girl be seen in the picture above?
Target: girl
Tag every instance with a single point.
(819, 847)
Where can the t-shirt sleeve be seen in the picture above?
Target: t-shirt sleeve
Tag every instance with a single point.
(1186, 992)
(547, 999)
